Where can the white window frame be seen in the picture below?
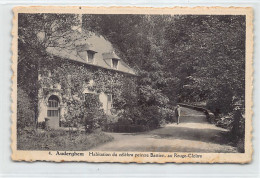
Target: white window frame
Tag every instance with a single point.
(112, 66)
(111, 101)
(93, 53)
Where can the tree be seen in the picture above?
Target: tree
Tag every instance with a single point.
(210, 53)
(25, 114)
(182, 58)
(37, 32)
(94, 116)
(138, 40)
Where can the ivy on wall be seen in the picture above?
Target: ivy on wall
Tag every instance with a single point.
(73, 79)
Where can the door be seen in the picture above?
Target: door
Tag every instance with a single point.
(53, 112)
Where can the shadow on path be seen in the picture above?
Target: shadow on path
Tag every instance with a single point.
(193, 134)
(188, 132)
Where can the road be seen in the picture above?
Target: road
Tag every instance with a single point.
(193, 134)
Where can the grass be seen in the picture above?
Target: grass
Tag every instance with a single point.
(60, 140)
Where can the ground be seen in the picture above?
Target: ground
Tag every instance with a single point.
(193, 134)
(60, 140)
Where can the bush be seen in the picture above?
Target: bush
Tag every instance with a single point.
(141, 119)
(238, 129)
(65, 123)
(150, 117)
(155, 116)
(221, 104)
(41, 125)
(111, 119)
(129, 115)
(94, 116)
(94, 120)
(235, 123)
(61, 140)
(88, 113)
(117, 127)
(225, 121)
(25, 112)
(167, 115)
(125, 121)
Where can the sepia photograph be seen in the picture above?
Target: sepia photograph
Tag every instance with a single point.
(96, 85)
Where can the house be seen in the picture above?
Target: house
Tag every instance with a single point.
(84, 60)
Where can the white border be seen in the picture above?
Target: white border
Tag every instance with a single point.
(9, 168)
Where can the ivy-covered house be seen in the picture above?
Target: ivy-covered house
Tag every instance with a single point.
(76, 73)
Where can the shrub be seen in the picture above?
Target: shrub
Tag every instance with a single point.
(94, 120)
(61, 140)
(117, 127)
(235, 123)
(94, 116)
(150, 117)
(238, 129)
(111, 119)
(25, 113)
(224, 121)
(65, 123)
(141, 119)
(41, 125)
(155, 116)
(125, 121)
(167, 115)
(221, 104)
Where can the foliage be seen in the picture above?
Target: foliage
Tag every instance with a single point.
(25, 114)
(41, 125)
(74, 79)
(235, 122)
(138, 40)
(238, 129)
(61, 140)
(129, 128)
(94, 116)
(182, 58)
(36, 32)
(211, 59)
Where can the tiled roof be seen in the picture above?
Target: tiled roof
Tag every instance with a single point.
(110, 55)
(71, 52)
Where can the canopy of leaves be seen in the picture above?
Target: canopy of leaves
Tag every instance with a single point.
(36, 32)
(183, 58)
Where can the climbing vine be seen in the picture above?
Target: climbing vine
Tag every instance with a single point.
(72, 79)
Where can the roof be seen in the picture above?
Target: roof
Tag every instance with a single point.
(73, 52)
(110, 55)
(86, 46)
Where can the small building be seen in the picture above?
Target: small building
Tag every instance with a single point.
(83, 56)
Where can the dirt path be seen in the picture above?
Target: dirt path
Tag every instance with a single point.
(193, 134)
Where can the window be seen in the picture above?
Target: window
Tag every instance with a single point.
(109, 98)
(53, 113)
(109, 101)
(52, 103)
(53, 106)
(91, 56)
(114, 63)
